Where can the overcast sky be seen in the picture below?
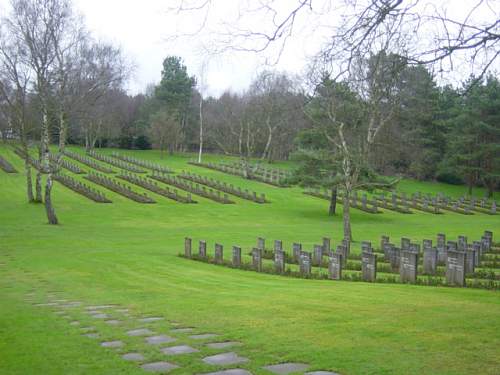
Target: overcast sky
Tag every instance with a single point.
(144, 28)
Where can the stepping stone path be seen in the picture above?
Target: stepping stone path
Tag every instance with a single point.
(133, 357)
(230, 358)
(236, 371)
(181, 349)
(112, 344)
(150, 319)
(160, 339)
(222, 345)
(140, 332)
(158, 367)
(286, 368)
(203, 336)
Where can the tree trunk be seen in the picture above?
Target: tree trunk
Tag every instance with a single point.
(27, 167)
(347, 215)
(38, 187)
(333, 202)
(49, 208)
(201, 130)
(268, 143)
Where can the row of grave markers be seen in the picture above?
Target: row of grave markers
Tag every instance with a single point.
(459, 258)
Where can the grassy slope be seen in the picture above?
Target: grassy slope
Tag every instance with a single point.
(126, 253)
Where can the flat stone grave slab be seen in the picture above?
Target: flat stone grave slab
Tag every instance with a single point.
(236, 371)
(87, 329)
(322, 373)
(222, 345)
(180, 349)
(160, 339)
(182, 330)
(150, 319)
(230, 358)
(47, 304)
(203, 336)
(100, 316)
(74, 323)
(133, 357)
(158, 367)
(99, 307)
(122, 310)
(140, 332)
(112, 344)
(113, 322)
(286, 368)
(92, 335)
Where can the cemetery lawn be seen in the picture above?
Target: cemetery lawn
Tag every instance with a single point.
(126, 253)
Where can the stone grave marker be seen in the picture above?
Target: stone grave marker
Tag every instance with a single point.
(366, 247)
(317, 255)
(187, 247)
(486, 243)
(257, 259)
(341, 249)
(408, 267)
(415, 248)
(427, 244)
(347, 244)
(203, 249)
(441, 248)
(296, 249)
(383, 240)
(430, 260)
(236, 256)
(395, 258)
(326, 245)
(261, 243)
(278, 245)
(387, 249)
(405, 243)
(451, 245)
(470, 257)
(462, 243)
(279, 261)
(369, 266)
(335, 266)
(305, 263)
(455, 268)
(477, 246)
(219, 253)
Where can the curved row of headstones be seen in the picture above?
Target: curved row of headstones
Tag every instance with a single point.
(226, 188)
(115, 162)
(142, 163)
(174, 347)
(6, 166)
(459, 258)
(88, 162)
(115, 186)
(81, 188)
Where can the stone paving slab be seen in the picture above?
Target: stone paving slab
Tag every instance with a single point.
(180, 349)
(133, 357)
(158, 366)
(160, 339)
(230, 358)
(150, 319)
(222, 345)
(286, 368)
(140, 332)
(203, 336)
(236, 371)
(112, 344)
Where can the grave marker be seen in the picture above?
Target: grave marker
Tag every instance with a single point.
(430, 260)
(187, 247)
(455, 268)
(296, 249)
(305, 263)
(369, 266)
(236, 256)
(317, 255)
(366, 247)
(405, 243)
(219, 253)
(261, 243)
(278, 245)
(326, 245)
(335, 266)
(408, 267)
(470, 258)
(279, 261)
(202, 250)
(257, 259)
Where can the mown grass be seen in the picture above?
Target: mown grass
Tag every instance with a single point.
(126, 253)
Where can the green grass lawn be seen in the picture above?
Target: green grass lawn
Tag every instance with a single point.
(126, 253)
